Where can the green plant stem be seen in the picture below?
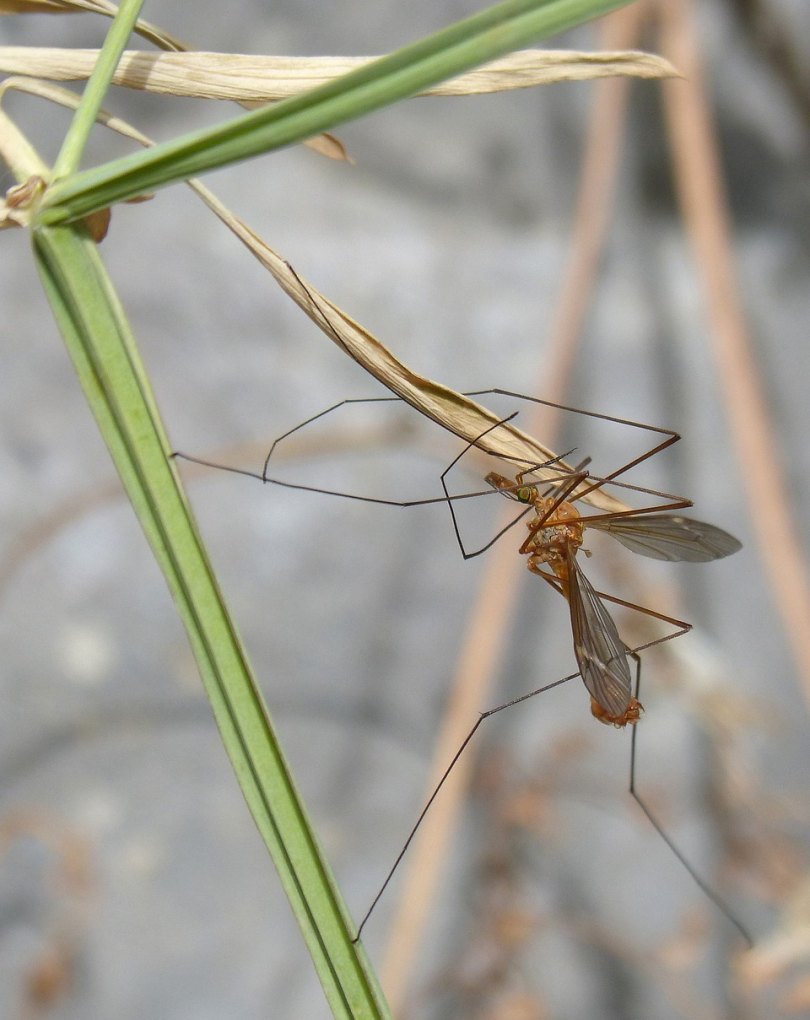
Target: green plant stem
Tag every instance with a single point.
(115, 383)
(67, 162)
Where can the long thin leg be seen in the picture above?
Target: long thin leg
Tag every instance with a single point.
(672, 437)
(328, 492)
(676, 502)
(575, 480)
(264, 478)
(680, 856)
(672, 501)
(383, 400)
(701, 883)
(323, 414)
(445, 775)
(566, 486)
(682, 626)
(577, 477)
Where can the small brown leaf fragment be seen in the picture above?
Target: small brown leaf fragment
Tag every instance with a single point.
(22, 195)
(329, 146)
(98, 224)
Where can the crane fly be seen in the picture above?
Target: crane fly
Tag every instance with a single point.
(556, 532)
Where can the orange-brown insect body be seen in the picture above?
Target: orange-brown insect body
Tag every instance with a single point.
(555, 535)
(630, 716)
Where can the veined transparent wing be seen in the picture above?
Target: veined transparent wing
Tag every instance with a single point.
(670, 537)
(601, 655)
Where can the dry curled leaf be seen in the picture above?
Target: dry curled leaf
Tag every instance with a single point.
(454, 411)
(248, 78)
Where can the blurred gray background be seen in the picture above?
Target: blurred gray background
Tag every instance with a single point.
(132, 881)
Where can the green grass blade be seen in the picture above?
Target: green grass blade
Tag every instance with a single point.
(486, 35)
(110, 370)
(67, 162)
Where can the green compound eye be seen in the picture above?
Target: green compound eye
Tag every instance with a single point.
(526, 493)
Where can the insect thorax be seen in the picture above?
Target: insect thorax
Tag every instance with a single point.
(550, 537)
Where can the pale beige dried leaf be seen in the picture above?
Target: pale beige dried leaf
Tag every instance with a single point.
(246, 78)
(527, 68)
(35, 7)
(454, 411)
(24, 161)
(70, 100)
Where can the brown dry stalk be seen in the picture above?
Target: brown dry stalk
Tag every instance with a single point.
(705, 210)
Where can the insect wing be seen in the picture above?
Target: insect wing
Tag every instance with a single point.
(601, 655)
(671, 537)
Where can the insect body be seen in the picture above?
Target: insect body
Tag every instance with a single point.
(555, 536)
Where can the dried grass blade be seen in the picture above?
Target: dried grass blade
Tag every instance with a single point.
(248, 78)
